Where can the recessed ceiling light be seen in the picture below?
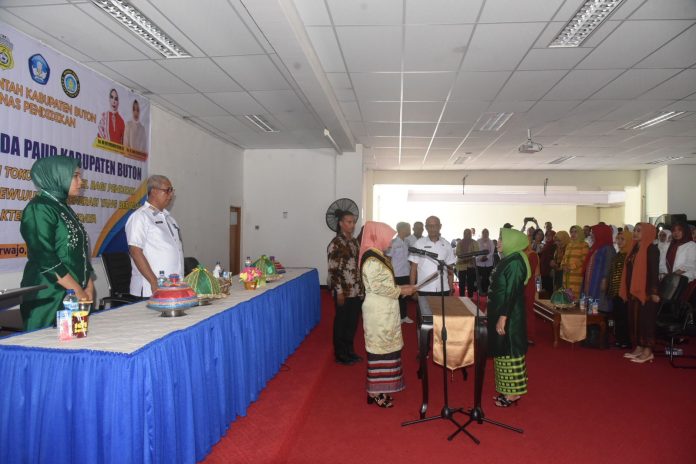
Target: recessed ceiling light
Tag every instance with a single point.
(136, 22)
(562, 159)
(261, 122)
(665, 160)
(588, 17)
(492, 121)
(661, 117)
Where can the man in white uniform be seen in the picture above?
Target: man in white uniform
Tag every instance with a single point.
(398, 252)
(154, 239)
(424, 266)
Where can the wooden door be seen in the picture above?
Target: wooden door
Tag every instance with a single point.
(235, 242)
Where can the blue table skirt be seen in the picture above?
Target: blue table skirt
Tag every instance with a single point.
(169, 402)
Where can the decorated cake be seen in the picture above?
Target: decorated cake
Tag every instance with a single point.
(204, 283)
(174, 294)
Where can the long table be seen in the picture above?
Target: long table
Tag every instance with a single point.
(146, 389)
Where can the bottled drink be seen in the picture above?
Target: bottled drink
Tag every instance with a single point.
(248, 262)
(595, 306)
(538, 284)
(162, 279)
(64, 316)
(583, 303)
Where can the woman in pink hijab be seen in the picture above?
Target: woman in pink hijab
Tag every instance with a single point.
(381, 316)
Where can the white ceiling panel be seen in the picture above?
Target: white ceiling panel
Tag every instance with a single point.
(195, 103)
(368, 12)
(435, 48)
(580, 84)
(510, 106)
(237, 102)
(626, 9)
(479, 85)
(325, 45)
(529, 85)
(590, 110)
(630, 43)
(212, 25)
(417, 129)
(90, 38)
(254, 72)
(442, 11)
(299, 121)
(673, 9)
(111, 74)
(358, 128)
(313, 12)
(151, 76)
(446, 143)
(678, 53)
(464, 111)
(427, 86)
(373, 86)
(453, 130)
(547, 111)
(635, 109)
(229, 124)
(553, 58)
(598, 36)
(500, 47)
(422, 111)
(680, 86)
(633, 83)
(156, 99)
(550, 32)
(380, 111)
(352, 112)
(384, 45)
(504, 11)
(390, 129)
(165, 24)
(202, 74)
(279, 100)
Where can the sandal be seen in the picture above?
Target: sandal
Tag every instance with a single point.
(505, 402)
(381, 400)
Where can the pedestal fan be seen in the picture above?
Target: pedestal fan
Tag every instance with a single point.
(342, 205)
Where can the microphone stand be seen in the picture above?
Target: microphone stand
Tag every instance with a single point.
(481, 352)
(447, 412)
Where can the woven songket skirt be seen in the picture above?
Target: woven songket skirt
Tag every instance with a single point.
(384, 373)
(510, 375)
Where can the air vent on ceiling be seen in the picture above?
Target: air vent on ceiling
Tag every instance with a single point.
(260, 122)
(492, 121)
(666, 160)
(562, 159)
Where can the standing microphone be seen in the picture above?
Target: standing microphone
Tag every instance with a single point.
(418, 251)
(471, 254)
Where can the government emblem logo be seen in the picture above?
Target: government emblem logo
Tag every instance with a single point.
(6, 61)
(70, 82)
(39, 69)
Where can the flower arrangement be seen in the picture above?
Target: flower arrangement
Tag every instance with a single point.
(250, 274)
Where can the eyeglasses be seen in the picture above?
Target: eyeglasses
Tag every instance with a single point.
(167, 190)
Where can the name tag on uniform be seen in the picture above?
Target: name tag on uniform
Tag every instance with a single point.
(159, 222)
(427, 246)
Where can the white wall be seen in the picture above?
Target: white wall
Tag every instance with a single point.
(656, 197)
(302, 183)
(587, 215)
(681, 198)
(614, 215)
(633, 205)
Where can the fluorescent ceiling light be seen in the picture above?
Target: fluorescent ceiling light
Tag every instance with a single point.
(662, 117)
(460, 160)
(590, 15)
(261, 122)
(492, 121)
(562, 159)
(135, 21)
(665, 160)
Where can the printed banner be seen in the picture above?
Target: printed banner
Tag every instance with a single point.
(50, 105)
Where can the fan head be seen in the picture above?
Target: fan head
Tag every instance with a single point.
(338, 209)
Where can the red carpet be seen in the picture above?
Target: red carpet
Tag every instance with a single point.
(583, 406)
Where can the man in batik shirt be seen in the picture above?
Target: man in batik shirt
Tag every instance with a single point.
(344, 282)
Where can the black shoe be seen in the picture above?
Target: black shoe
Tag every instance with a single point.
(355, 358)
(345, 361)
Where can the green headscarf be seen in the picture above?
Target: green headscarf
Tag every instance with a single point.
(515, 241)
(580, 237)
(54, 175)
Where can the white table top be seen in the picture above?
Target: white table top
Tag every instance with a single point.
(129, 328)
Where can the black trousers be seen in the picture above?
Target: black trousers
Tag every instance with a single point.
(547, 283)
(404, 280)
(620, 315)
(485, 278)
(344, 327)
(469, 277)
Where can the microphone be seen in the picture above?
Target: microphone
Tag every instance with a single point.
(471, 254)
(418, 251)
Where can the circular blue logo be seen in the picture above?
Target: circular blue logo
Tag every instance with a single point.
(39, 69)
(70, 83)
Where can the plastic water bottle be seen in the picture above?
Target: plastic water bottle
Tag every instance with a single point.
(583, 303)
(162, 279)
(248, 262)
(64, 316)
(595, 306)
(538, 284)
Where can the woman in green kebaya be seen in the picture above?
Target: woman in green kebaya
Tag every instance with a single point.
(507, 326)
(57, 244)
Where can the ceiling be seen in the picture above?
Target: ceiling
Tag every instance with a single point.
(411, 80)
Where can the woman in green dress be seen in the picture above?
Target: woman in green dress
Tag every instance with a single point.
(57, 244)
(507, 327)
